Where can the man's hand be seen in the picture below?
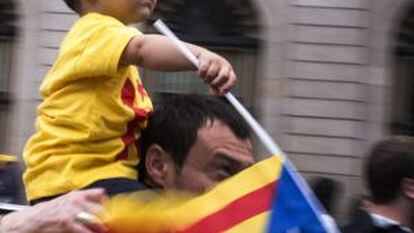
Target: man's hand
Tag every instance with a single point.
(58, 216)
(216, 71)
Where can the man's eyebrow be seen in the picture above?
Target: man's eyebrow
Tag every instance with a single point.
(234, 162)
(226, 157)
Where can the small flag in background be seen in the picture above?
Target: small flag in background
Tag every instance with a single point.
(262, 198)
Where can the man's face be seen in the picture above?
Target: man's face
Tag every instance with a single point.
(216, 155)
(127, 11)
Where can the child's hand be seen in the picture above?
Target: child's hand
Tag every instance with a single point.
(216, 72)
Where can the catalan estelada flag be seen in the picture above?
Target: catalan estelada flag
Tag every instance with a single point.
(262, 198)
(273, 204)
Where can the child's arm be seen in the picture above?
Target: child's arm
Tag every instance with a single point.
(158, 53)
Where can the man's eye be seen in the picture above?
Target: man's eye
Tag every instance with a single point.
(223, 173)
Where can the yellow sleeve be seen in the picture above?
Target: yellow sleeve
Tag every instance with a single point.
(103, 51)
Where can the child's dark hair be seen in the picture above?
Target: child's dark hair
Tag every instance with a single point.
(73, 4)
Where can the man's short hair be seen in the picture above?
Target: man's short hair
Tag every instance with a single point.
(389, 162)
(73, 4)
(176, 121)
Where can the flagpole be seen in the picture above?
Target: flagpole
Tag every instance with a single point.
(261, 133)
(268, 142)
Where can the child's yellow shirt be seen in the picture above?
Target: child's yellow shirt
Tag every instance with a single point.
(92, 113)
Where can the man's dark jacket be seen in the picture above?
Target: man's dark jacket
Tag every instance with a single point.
(362, 223)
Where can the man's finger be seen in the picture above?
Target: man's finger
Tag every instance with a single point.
(100, 228)
(87, 218)
(96, 195)
(91, 221)
(79, 228)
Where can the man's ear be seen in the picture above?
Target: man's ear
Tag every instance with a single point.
(408, 187)
(156, 164)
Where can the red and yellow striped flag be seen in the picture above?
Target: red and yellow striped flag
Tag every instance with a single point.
(242, 203)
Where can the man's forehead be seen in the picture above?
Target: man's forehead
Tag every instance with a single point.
(216, 137)
(237, 159)
(216, 131)
(211, 126)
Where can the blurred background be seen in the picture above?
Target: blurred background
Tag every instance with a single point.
(326, 78)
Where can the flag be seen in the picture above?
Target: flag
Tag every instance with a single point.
(295, 209)
(262, 198)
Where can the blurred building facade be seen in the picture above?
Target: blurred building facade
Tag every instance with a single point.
(325, 77)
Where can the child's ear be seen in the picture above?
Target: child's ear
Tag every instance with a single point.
(157, 161)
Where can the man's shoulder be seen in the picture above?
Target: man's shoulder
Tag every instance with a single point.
(361, 222)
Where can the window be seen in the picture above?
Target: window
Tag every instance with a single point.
(8, 174)
(7, 34)
(403, 78)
